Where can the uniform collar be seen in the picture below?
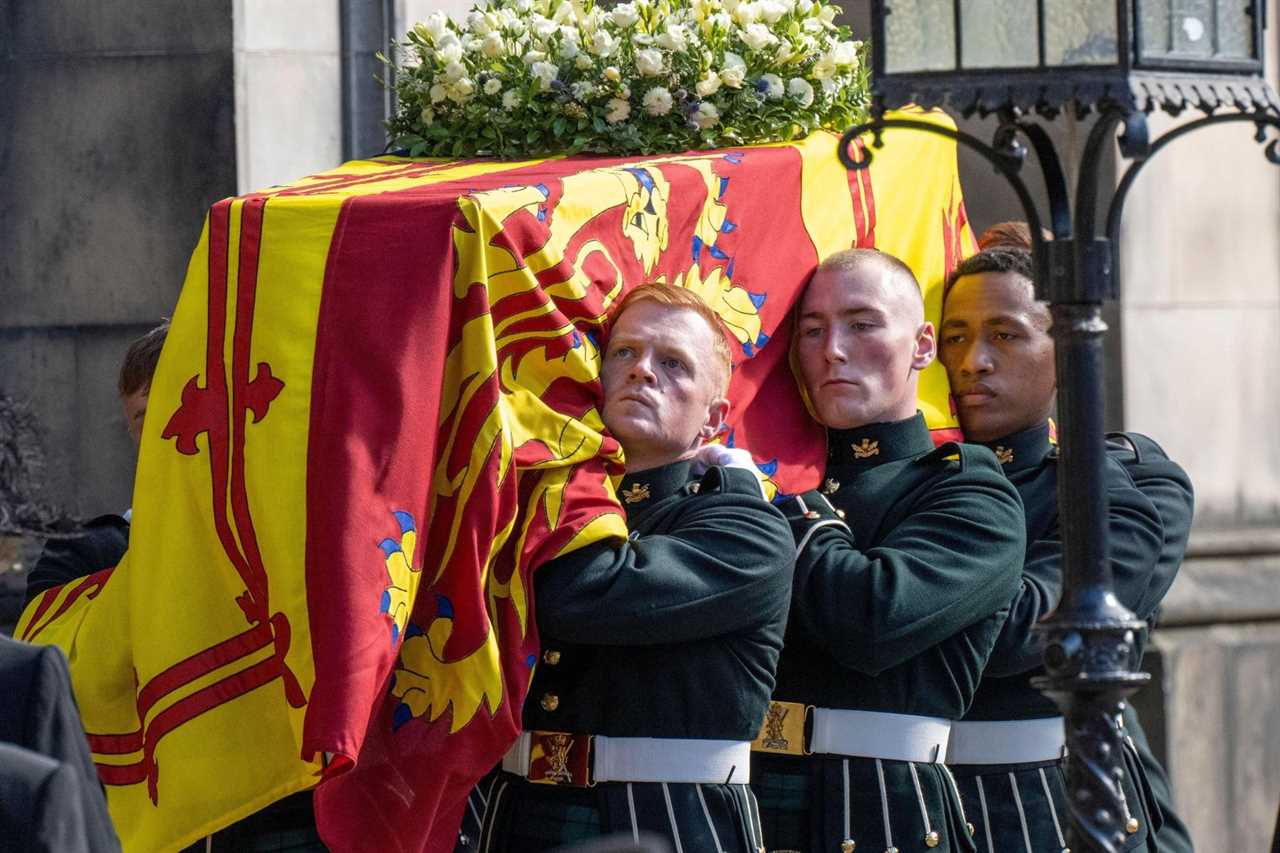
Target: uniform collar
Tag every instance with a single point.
(875, 444)
(1022, 450)
(645, 488)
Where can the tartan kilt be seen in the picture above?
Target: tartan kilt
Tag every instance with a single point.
(524, 817)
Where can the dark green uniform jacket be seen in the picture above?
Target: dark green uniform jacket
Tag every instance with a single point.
(673, 634)
(1022, 807)
(894, 610)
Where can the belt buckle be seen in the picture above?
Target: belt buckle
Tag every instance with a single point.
(783, 730)
(560, 758)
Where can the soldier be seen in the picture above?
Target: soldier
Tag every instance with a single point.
(899, 588)
(659, 651)
(1007, 754)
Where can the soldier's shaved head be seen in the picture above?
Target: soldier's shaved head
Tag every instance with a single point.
(900, 281)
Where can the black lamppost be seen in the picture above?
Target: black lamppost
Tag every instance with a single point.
(1122, 59)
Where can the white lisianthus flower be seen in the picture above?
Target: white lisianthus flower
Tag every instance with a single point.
(570, 35)
(455, 71)
(674, 38)
(492, 86)
(831, 85)
(509, 20)
(708, 85)
(544, 73)
(734, 72)
(804, 7)
(583, 90)
(649, 62)
(544, 28)
(731, 6)
(583, 62)
(813, 26)
(569, 50)
(564, 13)
(493, 45)
(721, 20)
(801, 90)
(845, 53)
(427, 116)
(758, 37)
(591, 21)
(534, 56)
(435, 25)
(772, 86)
(478, 23)
(618, 110)
(824, 68)
(770, 11)
(524, 5)
(438, 93)
(510, 100)
(603, 44)
(450, 53)
(707, 115)
(624, 15)
(657, 101)
(828, 14)
(624, 92)
(745, 14)
(612, 74)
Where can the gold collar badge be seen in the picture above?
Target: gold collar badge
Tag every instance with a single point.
(866, 449)
(635, 494)
(1004, 455)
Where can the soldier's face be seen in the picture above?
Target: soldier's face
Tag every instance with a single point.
(998, 353)
(860, 341)
(661, 395)
(135, 409)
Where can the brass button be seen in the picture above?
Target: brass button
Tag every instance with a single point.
(891, 850)
(831, 486)
(840, 513)
(693, 487)
(848, 845)
(1132, 826)
(550, 701)
(551, 657)
(973, 830)
(932, 839)
(810, 515)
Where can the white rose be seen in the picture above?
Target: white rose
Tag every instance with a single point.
(603, 44)
(618, 110)
(612, 74)
(657, 101)
(583, 62)
(649, 62)
(758, 37)
(492, 86)
(455, 71)
(570, 35)
(845, 53)
(674, 38)
(708, 85)
(534, 56)
(478, 23)
(801, 90)
(493, 46)
(624, 92)
(583, 90)
(624, 15)
(734, 72)
(812, 26)
(569, 49)
(438, 93)
(462, 89)
(510, 100)
(771, 11)
(544, 73)
(435, 25)
(830, 86)
(772, 86)
(707, 115)
(450, 53)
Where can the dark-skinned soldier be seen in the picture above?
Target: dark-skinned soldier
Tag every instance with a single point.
(907, 559)
(659, 651)
(1007, 754)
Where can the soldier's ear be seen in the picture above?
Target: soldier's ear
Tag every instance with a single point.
(717, 413)
(926, 346)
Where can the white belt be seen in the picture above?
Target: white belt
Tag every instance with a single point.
(1007, 741)
(653, 759)
(875, 734)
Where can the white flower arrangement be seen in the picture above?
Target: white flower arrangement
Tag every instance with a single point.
(533, 77)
